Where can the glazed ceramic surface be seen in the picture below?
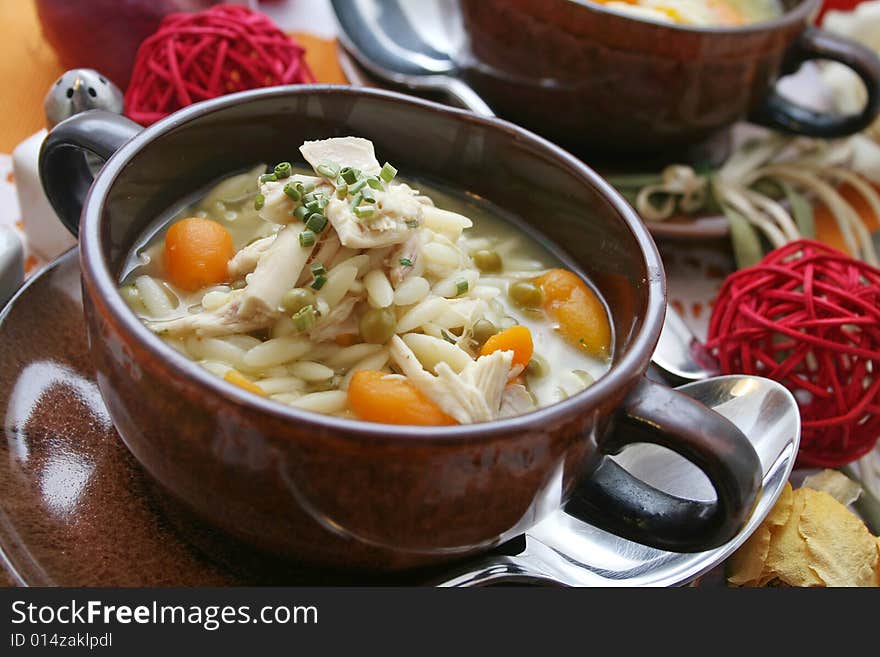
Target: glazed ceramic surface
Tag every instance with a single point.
(331, 491)
(597, 80)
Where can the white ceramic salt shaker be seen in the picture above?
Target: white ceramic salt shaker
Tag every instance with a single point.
(75, 91)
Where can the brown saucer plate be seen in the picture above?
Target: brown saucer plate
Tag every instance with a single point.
(75, 508)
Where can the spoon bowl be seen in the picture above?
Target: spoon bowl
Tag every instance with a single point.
(565, 549)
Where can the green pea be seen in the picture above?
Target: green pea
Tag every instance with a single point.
(487, 260)
(525, 294)
(296, 299)
(482, 330)
(537, 367)
(377, 325)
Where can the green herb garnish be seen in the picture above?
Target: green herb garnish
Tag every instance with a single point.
(388, 172)
(316, 222)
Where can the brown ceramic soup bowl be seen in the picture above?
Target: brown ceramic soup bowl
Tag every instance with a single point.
(596, 79)
(326, 490)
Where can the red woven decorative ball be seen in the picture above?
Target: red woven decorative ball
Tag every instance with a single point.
(808, 316)
(202, 55)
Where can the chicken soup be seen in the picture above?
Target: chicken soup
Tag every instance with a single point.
(702, 13)
(343, 289)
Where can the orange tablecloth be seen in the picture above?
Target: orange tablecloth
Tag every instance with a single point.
(28, 67)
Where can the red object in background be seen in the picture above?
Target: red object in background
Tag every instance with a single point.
(105, 34)
(808, 316)
(194, 57)
(839, 5)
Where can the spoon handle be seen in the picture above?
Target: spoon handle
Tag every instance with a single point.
(495, 569)
(680, 354)
(465, 95)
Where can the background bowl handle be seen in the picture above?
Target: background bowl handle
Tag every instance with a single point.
(613, 499)
(64, 168)
(782, 114)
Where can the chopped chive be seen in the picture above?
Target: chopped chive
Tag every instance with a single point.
(318, 268)
(364, 212)
(309, 187)
(328, 170)
(358, 186)
(316, 222)
(406, 262)
(388, 172)
(282, 170)
(291, 192)
(309, 197)
(314, 206)
(319, 281)
(259, 202)
(342, 191)
(368, 195)
(268, 177)
(412, 223)
(356, 200)
(461, 286)
(306, 238)
(375, 183)
(298, 186)
(304, 318)
(447, 337)
(301, 212)
(349, 175)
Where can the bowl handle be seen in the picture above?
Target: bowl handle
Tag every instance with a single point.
(64, 168)
(778, 113)
(615, 500)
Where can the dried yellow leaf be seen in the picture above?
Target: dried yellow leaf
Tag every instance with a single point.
(747, 563)
(840, 549)
(836, 484)
(787, 556)
(746, 566)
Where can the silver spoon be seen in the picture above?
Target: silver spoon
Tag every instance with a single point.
(380, 37)
(565, 550)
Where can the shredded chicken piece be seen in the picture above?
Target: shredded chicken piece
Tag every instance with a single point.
(259, 302)
(245, 261)
(392, 224)
(354, 152)
(339, 321)
(474, 395)
(516, 400)
(324, 252)
(407, 252)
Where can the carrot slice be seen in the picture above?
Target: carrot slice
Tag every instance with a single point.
(378, 397)
(517, 339)
(197, 252)
(578, 311)
(237, 378)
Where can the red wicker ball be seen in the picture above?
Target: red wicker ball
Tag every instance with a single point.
(206, 54)
(808, 316)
